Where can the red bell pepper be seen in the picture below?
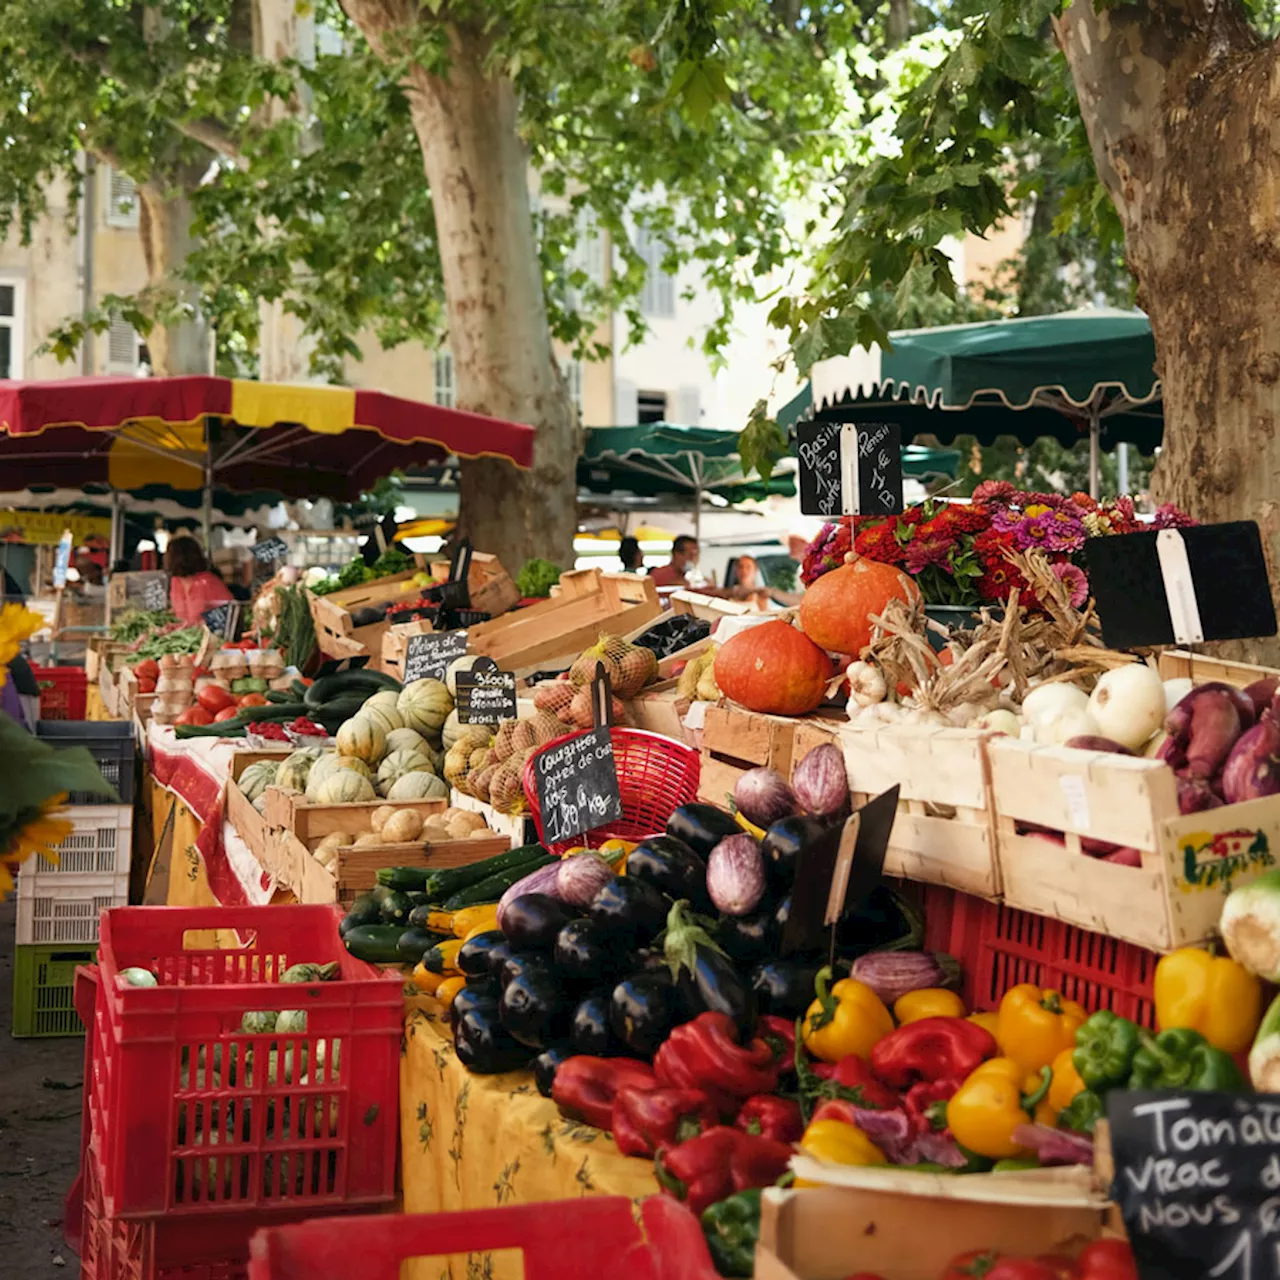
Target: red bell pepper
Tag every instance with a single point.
(771, 1117)
(851, 1079)
(717, 1164)
(646, 1119)
(932, 1049)
(926, 1104)
(705, 1054)
(585, 1087)
(780, 1035)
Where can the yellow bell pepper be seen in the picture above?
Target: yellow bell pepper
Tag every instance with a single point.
(840, 1143)
(449, 988)
(1063, 1086)
(426, 981)
(1213, 995)
(614, 851)
(992, 1102)
(988, 1022)
(848, 1018)
(928, 1002)
(1035, 1025)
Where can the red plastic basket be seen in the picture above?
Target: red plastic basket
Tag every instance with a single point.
(656, 775)
(999, 947)
(190, 1115)
(62, 692)
(606, 1242)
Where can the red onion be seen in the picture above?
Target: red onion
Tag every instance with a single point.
(1253, 768)
(735, 875)
(1202, 728)
(1195, 795)
(1126, 857)
(580, 878)
(1092, 742)
(1261, 692)
(1054, 1146)
(1097, 848)
(820, 781)
(762, 797)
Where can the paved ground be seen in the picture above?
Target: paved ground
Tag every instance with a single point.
(40, 1089)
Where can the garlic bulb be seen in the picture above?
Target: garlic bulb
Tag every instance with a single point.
(866, 684)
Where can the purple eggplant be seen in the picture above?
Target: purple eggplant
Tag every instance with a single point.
(735, 875)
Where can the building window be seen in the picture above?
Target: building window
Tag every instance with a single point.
(572, 370)
(658, 297)
(122, 199)
(124, 348)
(446, 394)
(651, 406)
(11, 329)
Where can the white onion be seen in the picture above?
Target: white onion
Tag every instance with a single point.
(1047, 701)
(1000, 721)
(1175, 690)
(1070, 722)
(1128, 704)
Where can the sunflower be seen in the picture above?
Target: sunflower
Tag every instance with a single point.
(36, 831)
(17, 624)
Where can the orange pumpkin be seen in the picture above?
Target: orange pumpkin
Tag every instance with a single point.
(834, 611)
(773, 668)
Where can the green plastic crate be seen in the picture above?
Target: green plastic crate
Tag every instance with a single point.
(44, 981)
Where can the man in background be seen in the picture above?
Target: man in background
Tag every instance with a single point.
(684, 557)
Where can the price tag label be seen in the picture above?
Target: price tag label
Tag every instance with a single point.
(850, 469)
(1077, 800)
(1197, 1179)
(155, 592)
(270, 550)
(427, 657)
(485, 694)
(577, 786)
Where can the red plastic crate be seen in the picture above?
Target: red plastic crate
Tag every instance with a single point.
(999, 947)
(656, 775)
(191, 1116)
(606, 1242)
(62, 692)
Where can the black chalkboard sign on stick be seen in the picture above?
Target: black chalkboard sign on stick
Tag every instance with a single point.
(1197, 1181)
(1181, 586)
(486, 695)
(849, 469)
(577, 782)
(427, 656)
(270, 550)
(155, 592)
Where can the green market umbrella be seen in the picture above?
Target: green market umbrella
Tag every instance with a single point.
(1090, 370)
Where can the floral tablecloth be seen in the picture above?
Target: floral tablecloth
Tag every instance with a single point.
(472, 1142)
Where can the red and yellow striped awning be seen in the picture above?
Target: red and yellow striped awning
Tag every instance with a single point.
(297, 439)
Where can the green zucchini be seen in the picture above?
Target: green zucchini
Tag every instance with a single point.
(280, 695)
(364, 910)
(375, 943)
(415, 943)
(405, 879)
(448, 880)
(362, 681)
(492, 889)
(396, 908)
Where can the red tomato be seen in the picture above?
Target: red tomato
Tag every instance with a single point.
(227, 713)
(195, 715)
(1106, 1260)
(985, 1264)
(147, 669)
(214, 698)
(253, 700)
(146, 686)
(1061, 1267)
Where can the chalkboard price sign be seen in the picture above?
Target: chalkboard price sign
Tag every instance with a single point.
(269, 550)
(223, 620)
(577, 786)
(849, 469)
(1198, 1182)
(155, 593)
(485, 694)
(427, 657)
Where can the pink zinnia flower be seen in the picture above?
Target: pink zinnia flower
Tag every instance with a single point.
(924, 551)
(1169, 516)
(1075, 580)
(999, 491)
(1005, 519)
(1033, 532)
(1066, 531)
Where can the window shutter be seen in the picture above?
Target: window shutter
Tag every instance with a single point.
(122, 200)
(445, 392)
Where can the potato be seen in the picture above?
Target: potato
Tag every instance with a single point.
(369, 838)
(480, 833)
(380, 815)
(467, 820)
(402, 826)
(331, 842)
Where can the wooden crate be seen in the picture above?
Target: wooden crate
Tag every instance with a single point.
(735, 740)
(1177, 663)
(489, 585)
(824, 1233)
(943, 830)
(395, 641)
(112, 688)
(1188, 863)
(708, 608)
(251, 826)
(557, 630)
(515, 828)
(101, 652)
(337, 635)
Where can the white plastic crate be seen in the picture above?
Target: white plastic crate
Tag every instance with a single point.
(60, 904)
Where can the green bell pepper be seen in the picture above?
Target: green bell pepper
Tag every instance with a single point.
(1082, 1113)
(1105, 1047)
(1183, 1059)
(732, 1228)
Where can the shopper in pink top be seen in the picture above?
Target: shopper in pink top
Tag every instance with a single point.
(192, 588)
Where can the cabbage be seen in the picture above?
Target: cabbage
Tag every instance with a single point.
(136, 977)
(259, 1023)
(310, 972)
(291, 1022)
(1264, 1057)
(1250, 925)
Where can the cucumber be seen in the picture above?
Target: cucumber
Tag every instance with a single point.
(492, 889)
(448, 880)
(405, 879)
(336, 713)
(396, 908)
(280, 695)
(414, 944)
(364, 682)
(375, 943)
